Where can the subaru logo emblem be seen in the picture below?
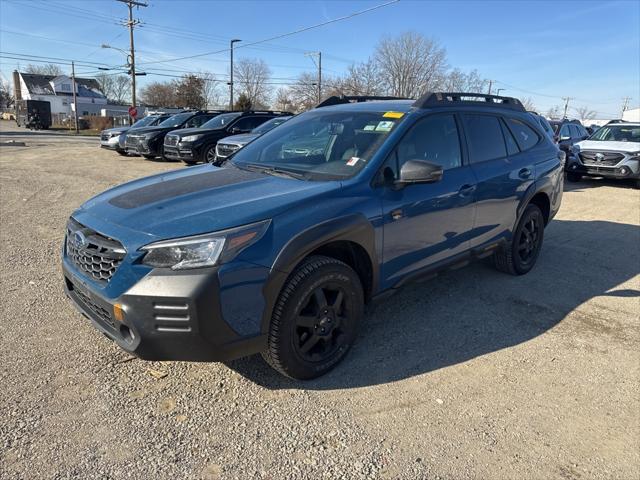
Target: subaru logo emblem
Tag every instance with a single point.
(599, 157)
(80, 239)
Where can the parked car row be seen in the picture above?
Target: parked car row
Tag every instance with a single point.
(191, 136)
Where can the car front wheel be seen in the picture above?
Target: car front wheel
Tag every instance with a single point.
(315, 319)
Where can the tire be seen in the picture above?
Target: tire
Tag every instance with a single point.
(123, 153)
(149, 157)
(190, 163)
(520, 256)
(574, 177)
(209, 154)
(307, 339)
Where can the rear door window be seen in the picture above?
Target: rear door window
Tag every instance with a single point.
(525, 136)
(484, 136)
(249, 123)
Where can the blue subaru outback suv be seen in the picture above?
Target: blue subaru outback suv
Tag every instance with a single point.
(279, 251)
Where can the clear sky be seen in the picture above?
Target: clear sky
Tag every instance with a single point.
(589, 50)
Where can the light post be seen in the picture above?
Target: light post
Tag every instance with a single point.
(132, 71)
(499, 90)
(235, 40)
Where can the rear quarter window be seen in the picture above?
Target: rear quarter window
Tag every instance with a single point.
(525, 136)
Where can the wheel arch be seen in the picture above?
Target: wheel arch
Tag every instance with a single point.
(350, 239)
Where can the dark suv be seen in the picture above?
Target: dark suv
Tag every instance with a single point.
(280, 251)
(199, 144)
(148, 141)
(568, 133)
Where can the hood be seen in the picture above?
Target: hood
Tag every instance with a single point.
(158, 129)
(183, 132)
(606, 146)
(115, 130)
(241, 139)
(199, 200)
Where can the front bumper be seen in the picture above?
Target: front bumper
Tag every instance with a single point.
(178, 152)
(167, 316)
(626, 169)
(110, 143)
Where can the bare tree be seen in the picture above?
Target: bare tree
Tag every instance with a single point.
(458, 81)
(528, 104)
(252, 77)
(6, 94)
(159, 94)
(303, 94)
(585, 114)
(47, 69)
(410, 64)
(554, 113)
(284, 101)
(361, 79)
(210, 89)
(115, 87)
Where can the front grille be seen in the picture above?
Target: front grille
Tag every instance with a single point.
(96, 309)
(225, 149)
(601, 158)
(93, 253)
(171, 140)
(132, 141)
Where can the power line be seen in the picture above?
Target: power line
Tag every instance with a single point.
(276, 37)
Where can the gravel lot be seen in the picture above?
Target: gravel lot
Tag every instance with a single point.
(473, 375)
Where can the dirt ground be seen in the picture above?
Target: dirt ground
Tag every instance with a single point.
(473, 375)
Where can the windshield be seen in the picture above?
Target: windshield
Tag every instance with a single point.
(143, 122)
(176, 120)
(617, 133)
(320, 145)
(221, 121)
(269, 125)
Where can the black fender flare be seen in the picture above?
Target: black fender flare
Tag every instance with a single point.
(355, 228)
(539, 186)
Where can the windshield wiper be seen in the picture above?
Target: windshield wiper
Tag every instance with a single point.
(273, 170)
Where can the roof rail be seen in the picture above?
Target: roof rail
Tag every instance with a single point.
(443, 99)
(342, 99)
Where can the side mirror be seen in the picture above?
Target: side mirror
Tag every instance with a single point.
(564, 139)
(419, 171)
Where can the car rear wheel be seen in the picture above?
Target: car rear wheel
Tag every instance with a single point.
(315, 319)
(209, 155)
(521, 254)
(574, 177)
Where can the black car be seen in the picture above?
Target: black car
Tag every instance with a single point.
(567, 133)
(199, 144)
(148, 141)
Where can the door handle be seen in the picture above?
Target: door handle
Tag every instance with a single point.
(466, 190)
(524, 173)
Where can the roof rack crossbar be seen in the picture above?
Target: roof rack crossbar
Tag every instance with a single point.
(440, 99)
(342, 99)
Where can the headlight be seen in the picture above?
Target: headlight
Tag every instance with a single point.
(191, 138)
(203, 250)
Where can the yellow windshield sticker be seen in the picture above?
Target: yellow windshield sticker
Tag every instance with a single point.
(393, 115)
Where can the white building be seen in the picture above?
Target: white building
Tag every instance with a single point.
(631, 115)
(57, 90)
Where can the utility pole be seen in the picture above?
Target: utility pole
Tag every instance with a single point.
(75, 99)
(490, 83)
(235, 40)
(319, 65)
(566, 105)
(624, 105)
(131, 23)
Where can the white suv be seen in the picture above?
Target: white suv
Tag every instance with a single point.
(611, 152)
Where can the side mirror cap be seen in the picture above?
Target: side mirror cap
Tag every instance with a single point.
(564, 139)
(419, 171)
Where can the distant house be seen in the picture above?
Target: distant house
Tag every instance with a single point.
(58, 91)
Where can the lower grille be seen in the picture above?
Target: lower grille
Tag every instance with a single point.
(93, 253)
(601, 158)
(225, 149)
(94, 308)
